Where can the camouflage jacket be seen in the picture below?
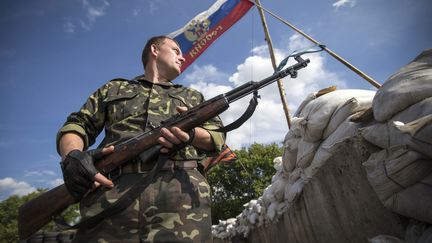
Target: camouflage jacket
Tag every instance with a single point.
(125, 108)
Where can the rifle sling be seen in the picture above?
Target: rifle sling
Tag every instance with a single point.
(243, 118)
(122, 203)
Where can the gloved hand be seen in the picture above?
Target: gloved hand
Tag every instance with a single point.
(78, 172)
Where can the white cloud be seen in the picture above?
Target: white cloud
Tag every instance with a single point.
(12, 187)
(40, 173)
(56, 182)
(93, 10)
(68, 26)
(136, 12)
(153, 6)
(268, 124)
(344, 3)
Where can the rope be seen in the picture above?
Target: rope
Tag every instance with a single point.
(339, 58)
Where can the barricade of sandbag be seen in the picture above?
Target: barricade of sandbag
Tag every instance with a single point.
(401, 173)
(317, 120)
(321, 122)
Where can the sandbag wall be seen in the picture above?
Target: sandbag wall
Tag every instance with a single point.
(377, 163)
(301, 196)
(401, 172)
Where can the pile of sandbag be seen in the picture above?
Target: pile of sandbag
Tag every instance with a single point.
(321, 122)
(401, 173)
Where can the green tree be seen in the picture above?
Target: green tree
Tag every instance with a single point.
(235, 184)
(9, 216)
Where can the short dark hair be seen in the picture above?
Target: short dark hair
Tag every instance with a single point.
(157, 40)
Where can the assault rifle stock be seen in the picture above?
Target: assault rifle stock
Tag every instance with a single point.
(36, 213)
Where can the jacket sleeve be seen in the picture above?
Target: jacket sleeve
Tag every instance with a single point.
(89, 121)
(218, 138)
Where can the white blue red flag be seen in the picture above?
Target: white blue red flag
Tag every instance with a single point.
(206, 27)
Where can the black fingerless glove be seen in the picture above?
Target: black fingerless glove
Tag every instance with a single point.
(78, 172)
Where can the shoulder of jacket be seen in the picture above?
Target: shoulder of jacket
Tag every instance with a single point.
(186, 89)
(123, 80)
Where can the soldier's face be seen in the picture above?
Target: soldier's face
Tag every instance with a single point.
(169, 59)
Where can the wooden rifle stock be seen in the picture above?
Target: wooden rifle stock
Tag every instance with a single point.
(39, 211)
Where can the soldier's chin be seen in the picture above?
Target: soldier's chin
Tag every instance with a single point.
(174, 74)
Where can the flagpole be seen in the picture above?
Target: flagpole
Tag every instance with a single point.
(273, 59)
(339, 58)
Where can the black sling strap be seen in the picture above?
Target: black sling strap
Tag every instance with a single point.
(244, 117)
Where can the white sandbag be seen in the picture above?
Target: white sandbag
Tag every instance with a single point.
(414, 202)
(308, 98)
(315, 116)
(275, 191)
(390, 171)
(411, 84)
(292, 191)
(420, 129)
(277, 165)
(350, 107)
(388, 134)
(289, 156)
(346, 130)
(306, 152)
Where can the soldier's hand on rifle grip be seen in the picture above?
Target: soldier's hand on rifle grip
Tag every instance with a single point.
(79, 172)
(174, 135)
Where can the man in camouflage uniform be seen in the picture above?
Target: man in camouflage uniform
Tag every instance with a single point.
(175, 207)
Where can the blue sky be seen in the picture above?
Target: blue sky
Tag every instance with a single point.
(53, 54)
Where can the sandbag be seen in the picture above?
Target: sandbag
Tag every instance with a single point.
(316, 115)
(389, 134)
(414, 202)
(289, 156)
(390, 171)
(418, 232)
(308, 98)
(411, 84)
(350, 107)
(346, 130)
(420, 129)
(306, 152)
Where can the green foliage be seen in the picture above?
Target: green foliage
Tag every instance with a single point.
(9, 216)
(238, 183)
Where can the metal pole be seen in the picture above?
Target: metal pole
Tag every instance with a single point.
(273, 59)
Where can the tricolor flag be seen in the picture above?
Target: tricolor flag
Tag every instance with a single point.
(206, 27)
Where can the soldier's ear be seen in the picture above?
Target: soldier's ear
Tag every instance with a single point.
(154, 49)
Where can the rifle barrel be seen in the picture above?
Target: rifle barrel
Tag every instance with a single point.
(252, 86)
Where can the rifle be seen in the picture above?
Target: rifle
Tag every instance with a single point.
(37, 212)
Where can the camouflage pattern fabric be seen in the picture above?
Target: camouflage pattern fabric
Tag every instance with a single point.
(175, 208)
(125, 108)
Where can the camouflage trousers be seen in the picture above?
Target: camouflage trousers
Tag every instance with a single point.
(175, 208)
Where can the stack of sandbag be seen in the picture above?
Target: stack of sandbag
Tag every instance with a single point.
(401, 173)
(257, 212)
(321, 122)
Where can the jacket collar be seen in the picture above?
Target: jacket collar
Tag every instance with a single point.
(142, 78)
